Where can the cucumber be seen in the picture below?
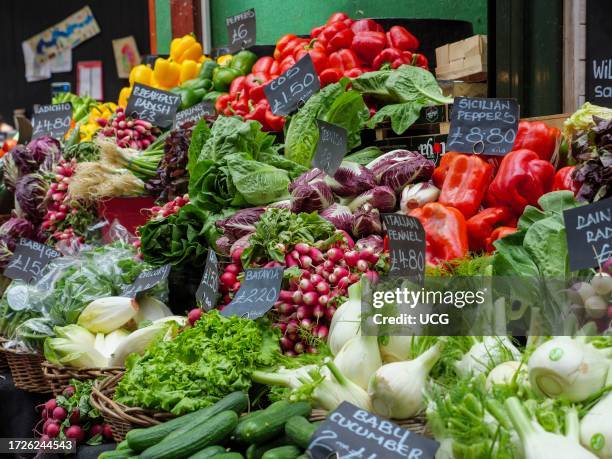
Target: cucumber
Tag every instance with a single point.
(300, 431)
(208, 452)
(283, 452)
(271, 424)
(245, 420)
(123, 445)
(141, 439)
(231, 455)
(205, 434)
(116, 454)
(256, 451)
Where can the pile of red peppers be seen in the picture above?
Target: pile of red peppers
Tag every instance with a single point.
(482, 198)
(340, 48)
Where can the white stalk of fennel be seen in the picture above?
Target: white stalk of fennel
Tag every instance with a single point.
(359, 358)
(596, 425)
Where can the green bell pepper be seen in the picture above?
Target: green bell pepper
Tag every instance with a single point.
(206, 71)
(189, 97)
(212, 95)
(243, 61)
(223, 77)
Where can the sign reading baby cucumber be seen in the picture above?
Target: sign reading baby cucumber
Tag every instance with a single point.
(483, 126)
(153, 105)
(28, 260)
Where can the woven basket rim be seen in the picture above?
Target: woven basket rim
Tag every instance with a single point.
(54, 366)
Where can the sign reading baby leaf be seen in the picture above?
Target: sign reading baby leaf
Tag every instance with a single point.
(153, 105)
(352, 432)
(147, 280)
(241, 30)
(209, 285)
(589, 234)
(52, 120)
(195, 113)
(293, 87)
(331, 147)
(257, 294)
(29, 259)
(483, 126)
(406, 246)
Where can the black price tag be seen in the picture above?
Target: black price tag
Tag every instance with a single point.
(258, 293)
(479, 125)
(52, 120)
(598, 64)
(589, 234)
(28, 260)
(241, 30)
(406, 246)
(293, 88)
(351, 432)
(331, 147)
(209, 285)
(146, 280)
(153, 105)
(195, 113)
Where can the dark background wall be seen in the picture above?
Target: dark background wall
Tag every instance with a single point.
(20, 19)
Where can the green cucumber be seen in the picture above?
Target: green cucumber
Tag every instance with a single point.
(271, 424)
(300, 431)
(205, 434)
(283, 452)
(208, 452)
(257, 451)
(123, 445)
(232, 455)
(116, 454)
(246, 420)
(141, 439)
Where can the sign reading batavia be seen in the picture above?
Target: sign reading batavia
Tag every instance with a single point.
(598, 53)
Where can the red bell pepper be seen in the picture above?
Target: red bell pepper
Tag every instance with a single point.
(316, 31)
(237, 87)
(445, 230)
(405, 58)
(520, 181)
(537, 136)
(399, 37)
(481, 226)
(564, 181)
(419, 60)
(330, 31)
(344, 59)
(240, 106)
(499, 233)
(319, 58)
(286, 64)
(386, 57)
(465, 183)
(257, 112)
(363, 25)
(367, 45)
(222, 102)
(330, 75)
(293, 46)
(254, 85)
(274, 70)
(263, 64)
(275, 123)
(338, 17)
(353, 73)
(281, 44)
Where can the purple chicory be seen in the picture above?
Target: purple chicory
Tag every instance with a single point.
(223, 245)
(351, 179)
(30, 193)
(47, 152)
(381, 197)
(284, 204)
(373, 242)
(398, 168)
(417, 195)
(16, 227)
(310, 193)
(340, 216)
(366, 221)
(307, 177)
(241, 223)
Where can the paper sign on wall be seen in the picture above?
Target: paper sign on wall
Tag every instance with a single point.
(126, 55)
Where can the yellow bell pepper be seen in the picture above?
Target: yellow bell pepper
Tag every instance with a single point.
(124, 95)
(225, 59)
(189, 69)
(203, 58)
(185, 48)
(140, 74)
(166, 73)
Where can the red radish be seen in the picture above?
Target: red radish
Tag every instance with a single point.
(45, 439)
(298, 348)
(334, 254)
(95, 430)
(305, 274)
(306, 285)
(316, 278)
(372, 276)
(304, 312)
(366, 254)
(316, 255)
(272, 264)
(310, 298)
(340, 272)
(318, 311)
(286, 343)
(344, 283)
(228, 279)
(45, 414)
(312, 350)
(323, 300)
(354, 277)
(290, 353)
(333, 279)
(328, 265)
(362, 266)
(306, 324)
(107, 432)
(235, 287)
(285, 308)
(282, 326)
(51, 404)
(236, 254)
(75, 416)
(305, 261)
(232, 268)
(351, 257)
(52, 430)
(194, 315)
(59, 413)
(290, 262)
(320, 331)
(295, 254)
(297, 297)
(302, 248)
(322, 288)
(329, 312)
(347, 238)
(292, 326)
(286, 295)
(75, 433)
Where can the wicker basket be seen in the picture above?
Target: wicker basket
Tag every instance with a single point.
(122, 418)
(3, 362)
(417, 424)
(59, 377)
(26, 371)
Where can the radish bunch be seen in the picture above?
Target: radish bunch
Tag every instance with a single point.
(132, 133)
(170, 208)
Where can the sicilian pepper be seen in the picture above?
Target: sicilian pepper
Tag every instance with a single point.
(446, 233)
(319, 57)
(339, 17)
(281, 44)
(399, 37)
(223, 77)
(166, 73)
(520, 181)
(465, 183)
(405, 58)
(185, 48)
(257, 112)
(419, 60)
(292, 47)
(286, 64)
(343, 60)
(386, 57)
(367, 45)
(564, 181)
(537, 136)
(363, 25)
(499, 233)
(336, 36)
(243, 61)
(237, 87)
(481, 226)
(263, 65)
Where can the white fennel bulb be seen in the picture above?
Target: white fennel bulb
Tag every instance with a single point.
(397, 388)
(569, 368)
(346, 321)
(486, 355)
(107, 314)
(504, 373)
(596, 425)
(151, 309)
(395, 348)
(139, 341)
(359, 358)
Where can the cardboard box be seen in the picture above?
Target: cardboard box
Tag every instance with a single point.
(463, 60)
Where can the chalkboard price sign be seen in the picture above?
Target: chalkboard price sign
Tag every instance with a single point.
(406, 246)
(598, 53)
(29, 259)
(209, 285)
(589, 234)
(258, 293)
(241, 30)
(52, 120)
(293, 88)
(331, 147)
(153, 105)
(483, 126)
(147, 280)
(195, 113)
(351, 432)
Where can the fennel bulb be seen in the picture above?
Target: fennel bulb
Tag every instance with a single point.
(596, 425)
(139, 341)
(395, 348)
(569, 368)
(346, 321)
(107, 314)
(359, 358)
(504, 373)
(486, 354)
(397, 388)
(539, 444)
(151, 308)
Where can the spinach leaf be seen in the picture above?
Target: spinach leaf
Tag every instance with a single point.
(402, 116)
(414, 84)
(349, 111)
